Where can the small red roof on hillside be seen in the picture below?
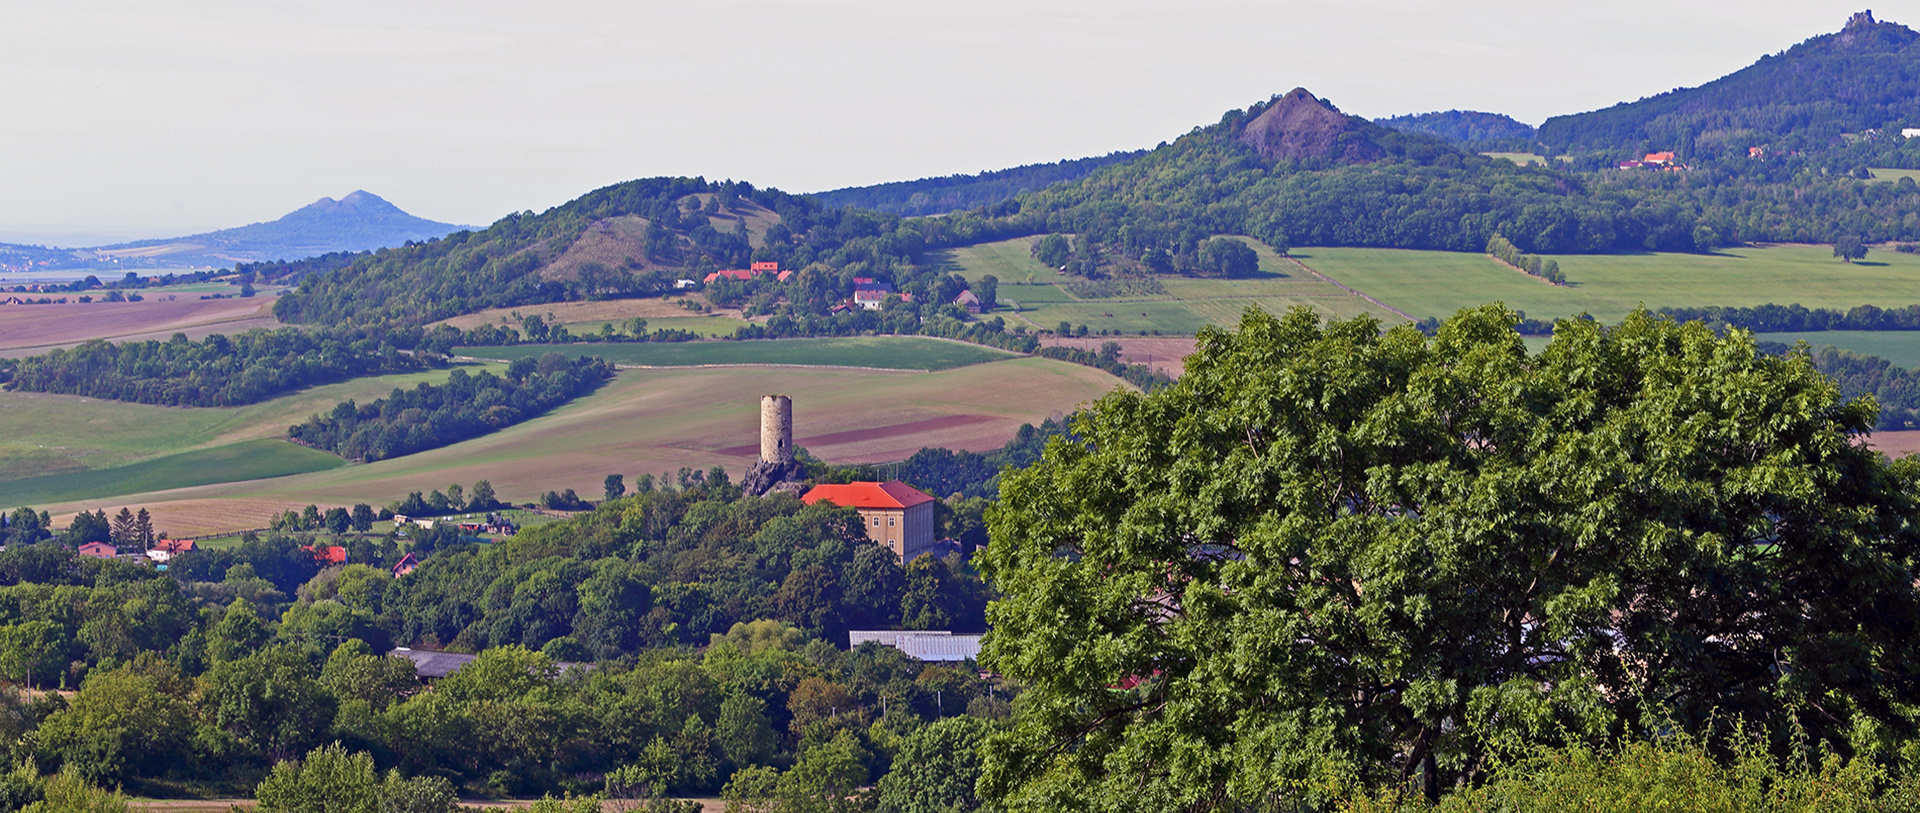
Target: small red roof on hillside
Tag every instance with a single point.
(99, 550)
(731, 273)
(891, 494)
(766, 266)
(174, 545)
(330, 554)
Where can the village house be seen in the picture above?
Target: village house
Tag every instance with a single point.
(740, 274)
(327, 554)
(99, 550)
(407, 564)
(967, 300)
(893, 513)
(166, 549)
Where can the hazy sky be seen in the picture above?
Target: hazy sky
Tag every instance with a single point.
(146, 118)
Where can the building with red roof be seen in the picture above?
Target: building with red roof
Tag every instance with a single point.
(99, 550)
(327, 554)
(894, 514)
(741, 274)
(766, 268)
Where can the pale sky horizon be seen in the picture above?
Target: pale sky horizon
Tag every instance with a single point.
(126, 120)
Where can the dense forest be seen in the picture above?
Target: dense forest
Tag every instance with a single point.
(1463, 125)
(717, 624)
(219, 370)
(1862, 78)
(428, 417)
(932, 196)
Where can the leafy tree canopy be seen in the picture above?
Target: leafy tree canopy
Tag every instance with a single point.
(1333, 552)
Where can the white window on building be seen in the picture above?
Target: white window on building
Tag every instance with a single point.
(889, 521)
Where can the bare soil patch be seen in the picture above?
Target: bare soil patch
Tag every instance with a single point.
(189, 519)
(27, 330)
(1165, 354)
(1896, 444)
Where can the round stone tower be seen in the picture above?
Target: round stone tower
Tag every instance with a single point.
(776, 429)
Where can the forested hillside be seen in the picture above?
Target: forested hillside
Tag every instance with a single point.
(1866, 76)
(932, 196)
(1462, 125)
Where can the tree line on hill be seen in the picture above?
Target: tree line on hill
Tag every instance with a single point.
(428, 416)
(932, 196)
(219, 370)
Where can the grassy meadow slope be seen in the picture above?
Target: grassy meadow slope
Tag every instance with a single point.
(661, 420)
(1608, 286)
(1187, 305)
(42, 435)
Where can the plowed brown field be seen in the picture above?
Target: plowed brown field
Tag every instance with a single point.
(27, 330)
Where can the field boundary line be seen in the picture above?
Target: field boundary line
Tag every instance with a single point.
(1343, 286)
(1521, 271)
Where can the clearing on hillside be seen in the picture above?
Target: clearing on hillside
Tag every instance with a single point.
(882, 352)
(1609, 286)
(591, 312)
(654, 421)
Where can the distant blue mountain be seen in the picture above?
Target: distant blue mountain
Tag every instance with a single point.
(357, 222)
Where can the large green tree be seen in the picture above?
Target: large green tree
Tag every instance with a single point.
(1331, 553)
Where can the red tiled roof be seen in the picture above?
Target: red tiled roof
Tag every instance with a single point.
(731, 273)
(766, 266)
(331, 554)
(174, 545)
(99, 550)
(891, 494)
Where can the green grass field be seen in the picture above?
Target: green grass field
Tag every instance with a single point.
(1894, 174)
(248, 460)
(703, 325)
(44, 435)
(883, 352)
(1902, 347)
(1188, 305)
(1608, 286)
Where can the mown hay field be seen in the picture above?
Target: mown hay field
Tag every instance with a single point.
(1609, 286)
(884, 352)
(657, 421)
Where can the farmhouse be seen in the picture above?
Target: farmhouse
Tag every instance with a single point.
(967, 300)
(99, 550)
(166, 549)
(327, 554)
(870, 295)
(894, 514)
(741, 274)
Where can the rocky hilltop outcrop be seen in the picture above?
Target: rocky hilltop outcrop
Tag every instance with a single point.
(1298, 125)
